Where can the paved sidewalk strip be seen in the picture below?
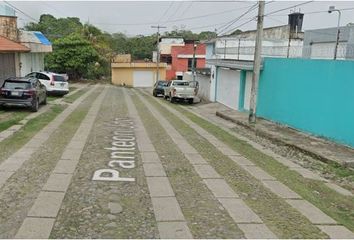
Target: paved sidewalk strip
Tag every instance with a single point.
(303, 206)
(16, 160)
(235, 206)
(290, 164)
(48, 203)
(170, 220)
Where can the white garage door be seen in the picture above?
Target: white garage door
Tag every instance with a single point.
(228, 87)
(143, 78)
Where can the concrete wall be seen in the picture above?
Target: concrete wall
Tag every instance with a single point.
(8, 27)
(315, 96)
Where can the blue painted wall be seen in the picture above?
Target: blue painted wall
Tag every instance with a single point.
(316, 96)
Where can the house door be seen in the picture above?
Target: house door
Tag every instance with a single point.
(228, 87)
(7, 66)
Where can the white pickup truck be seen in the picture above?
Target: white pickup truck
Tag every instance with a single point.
(181, 90)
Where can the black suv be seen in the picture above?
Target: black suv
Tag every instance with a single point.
(159, 87)
(28, 92)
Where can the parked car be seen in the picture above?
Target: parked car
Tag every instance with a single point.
(181, 90)
(28, 92)
(159, 88)
(55, 84)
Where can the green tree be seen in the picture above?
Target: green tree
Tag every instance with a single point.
(55, 28)
(74, 55)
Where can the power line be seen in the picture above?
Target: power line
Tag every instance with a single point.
(167, 9)
(283, 9)
(186, 9)
(179, 6)
(223, 29)
(19, 10)
(238, 18)
(315, 12)
(173, 20)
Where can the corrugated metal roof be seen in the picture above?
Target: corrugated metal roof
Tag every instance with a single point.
(42, 38)
(6, 45)
(34, 37)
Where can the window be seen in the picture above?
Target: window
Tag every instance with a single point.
(42, 76)
(58, 78)
(17, 85)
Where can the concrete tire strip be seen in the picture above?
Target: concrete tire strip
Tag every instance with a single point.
(311, 212)
(168, 214)
(247, 220)
(41, 217)
(11, 130)
(16, 160)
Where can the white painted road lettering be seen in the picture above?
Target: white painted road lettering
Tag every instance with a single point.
(122, 152)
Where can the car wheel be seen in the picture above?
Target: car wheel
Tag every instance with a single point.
(190, 101)
(45, 100)
(154, 94)
(172, 99)
(35, 106)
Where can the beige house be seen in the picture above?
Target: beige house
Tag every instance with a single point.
(135, 74)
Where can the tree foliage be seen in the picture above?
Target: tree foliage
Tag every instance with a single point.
(72, 54)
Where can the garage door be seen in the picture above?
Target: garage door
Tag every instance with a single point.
(143, 78)
(228, 87)
(7, 66)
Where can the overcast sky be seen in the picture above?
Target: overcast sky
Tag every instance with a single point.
(136, 17)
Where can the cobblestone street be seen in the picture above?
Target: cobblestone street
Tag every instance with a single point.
(120, 163)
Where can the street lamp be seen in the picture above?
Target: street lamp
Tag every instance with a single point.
(330, 10)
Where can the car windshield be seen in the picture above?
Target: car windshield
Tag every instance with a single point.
(58, 78)
(181, 84)
(17, 85)
(162, 83)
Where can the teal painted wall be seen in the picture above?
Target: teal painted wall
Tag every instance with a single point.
(241, 100)
(316, 96)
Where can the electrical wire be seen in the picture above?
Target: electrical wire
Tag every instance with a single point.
(223, 29)
(179, 6)
(19, 10)
(166, 11)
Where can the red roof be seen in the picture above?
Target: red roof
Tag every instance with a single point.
(7, 45)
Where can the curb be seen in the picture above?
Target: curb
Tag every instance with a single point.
(279, 141)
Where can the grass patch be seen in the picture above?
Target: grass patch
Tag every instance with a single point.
(73, 97)
(280, 217)
(198, 205)
(13, 143)
(337, 206)
(9, 118)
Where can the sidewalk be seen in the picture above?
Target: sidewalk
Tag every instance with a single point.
(316, 147)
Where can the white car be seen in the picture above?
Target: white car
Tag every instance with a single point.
(181, 90)
(55, 84)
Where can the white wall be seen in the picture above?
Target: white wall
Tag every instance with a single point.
(243, 49)
(31, 62)
(204, 86)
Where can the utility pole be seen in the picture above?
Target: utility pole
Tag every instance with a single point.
(257, 63)
(194, 62)
(158, 51)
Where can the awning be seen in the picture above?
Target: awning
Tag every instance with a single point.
(233, 64)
